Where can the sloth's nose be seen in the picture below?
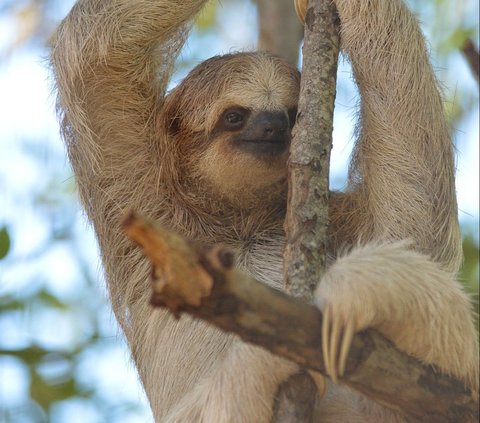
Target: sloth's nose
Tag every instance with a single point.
(269, 126)
(267, 134)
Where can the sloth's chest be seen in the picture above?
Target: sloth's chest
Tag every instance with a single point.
(264, 261)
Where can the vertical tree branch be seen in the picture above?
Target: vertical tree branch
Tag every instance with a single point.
(307, 211)
(280, 32)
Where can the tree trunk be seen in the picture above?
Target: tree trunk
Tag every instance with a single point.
(307, 211)
(280, 31)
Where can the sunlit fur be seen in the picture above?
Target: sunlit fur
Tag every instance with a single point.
(132, 147)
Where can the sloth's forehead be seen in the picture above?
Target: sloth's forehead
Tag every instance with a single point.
(252, 80)
(264, 97)
(267, 87)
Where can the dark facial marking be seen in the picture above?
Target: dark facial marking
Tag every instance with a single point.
(234, 119)
(265, 134)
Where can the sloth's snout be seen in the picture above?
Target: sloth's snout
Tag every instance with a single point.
(269, 126)
(265, 133)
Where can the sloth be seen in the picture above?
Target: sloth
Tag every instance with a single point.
(208, 160)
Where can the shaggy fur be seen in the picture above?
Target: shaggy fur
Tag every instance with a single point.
(133, 147)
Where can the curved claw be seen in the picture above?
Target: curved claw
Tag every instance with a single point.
(345, 348)
(335, 338)
(320, 382)
(336, 341)
(301, 9)
(326, 337)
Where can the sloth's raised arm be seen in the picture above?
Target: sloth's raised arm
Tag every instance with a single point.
(402, 173)
(112, 61)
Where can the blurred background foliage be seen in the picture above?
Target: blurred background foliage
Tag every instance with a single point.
(61, 358)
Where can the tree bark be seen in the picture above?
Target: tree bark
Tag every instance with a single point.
(306, 222)
(204, 283)
(473, 58)
(280, 31)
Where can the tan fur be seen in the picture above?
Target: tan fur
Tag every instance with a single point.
(133, 147)
(236, 179)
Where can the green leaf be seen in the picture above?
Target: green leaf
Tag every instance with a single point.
(50, 300)
(4, 242)
(470, 270)
(207, 18)
(8, 303)
(30, 355)
(456, 39)
(45, 393)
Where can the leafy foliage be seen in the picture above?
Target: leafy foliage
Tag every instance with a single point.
(469, 274)
(4, 242)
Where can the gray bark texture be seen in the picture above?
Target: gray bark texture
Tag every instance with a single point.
(307, 212)
(306, 223)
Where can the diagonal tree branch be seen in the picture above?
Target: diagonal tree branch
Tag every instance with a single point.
(203, 282)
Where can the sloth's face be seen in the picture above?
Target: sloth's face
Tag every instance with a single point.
(265, 134)
(240, 124)
(245, 156)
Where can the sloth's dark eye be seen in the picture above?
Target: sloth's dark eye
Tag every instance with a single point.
(234, 118)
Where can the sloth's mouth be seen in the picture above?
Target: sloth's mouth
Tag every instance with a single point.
(263, 147)
(265, 135)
